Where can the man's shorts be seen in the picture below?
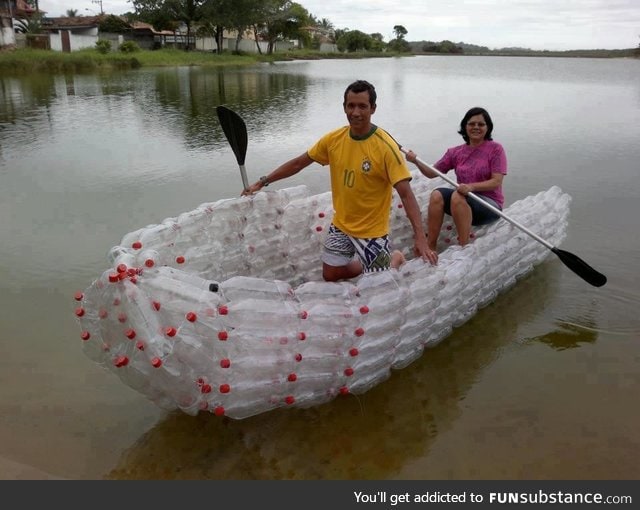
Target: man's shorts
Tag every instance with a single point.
(480, 215)
(340, 248)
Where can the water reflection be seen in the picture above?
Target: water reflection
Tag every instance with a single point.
(568, 336)
(371, 436)
(189, 98)
(86, 158)
(182, 99)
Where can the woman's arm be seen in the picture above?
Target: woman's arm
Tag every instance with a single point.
(412, 157)
(488, 185)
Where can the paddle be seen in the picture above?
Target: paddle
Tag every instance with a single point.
(573, 262)
(236, 132)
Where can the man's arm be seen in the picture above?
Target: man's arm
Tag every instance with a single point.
(291, 167)
(412, 210)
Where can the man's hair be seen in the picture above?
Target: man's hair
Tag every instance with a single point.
(361, 86)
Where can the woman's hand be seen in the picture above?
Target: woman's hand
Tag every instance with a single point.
(464, 189)
(411, 156)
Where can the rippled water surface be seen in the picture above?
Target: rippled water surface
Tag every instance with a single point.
(541, 384)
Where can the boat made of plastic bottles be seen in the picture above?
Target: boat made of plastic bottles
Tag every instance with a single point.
(223, 309)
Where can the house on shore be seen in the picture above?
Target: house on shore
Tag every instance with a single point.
(68, 34)
(11, 10)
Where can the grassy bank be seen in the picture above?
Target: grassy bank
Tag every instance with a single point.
(29, 61)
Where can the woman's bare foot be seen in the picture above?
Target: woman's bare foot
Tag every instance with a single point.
(397, 259)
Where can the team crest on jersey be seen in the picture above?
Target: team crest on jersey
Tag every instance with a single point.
(366, 166)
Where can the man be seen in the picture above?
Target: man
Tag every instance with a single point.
(365, 164)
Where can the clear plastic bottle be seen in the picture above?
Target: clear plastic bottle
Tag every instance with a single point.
(263, 314)
(169, 284)
(246, 287)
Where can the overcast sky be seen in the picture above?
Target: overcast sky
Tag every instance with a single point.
(535, 24)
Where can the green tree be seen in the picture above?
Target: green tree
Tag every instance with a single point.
(400, 31)
(355, 40)
(114, 25)
(238, 15)
(162, 14)
(279, 20)
(377, 42)
(72, 13)
(399, 44)
(449, 47)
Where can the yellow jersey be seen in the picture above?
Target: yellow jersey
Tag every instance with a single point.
(363, 173)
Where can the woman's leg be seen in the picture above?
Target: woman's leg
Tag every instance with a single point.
(462, 216)
(435, 217)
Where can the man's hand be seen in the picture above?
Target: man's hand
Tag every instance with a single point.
(421, 249)
(254, 188)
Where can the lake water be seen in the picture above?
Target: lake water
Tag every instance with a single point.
(541, 384)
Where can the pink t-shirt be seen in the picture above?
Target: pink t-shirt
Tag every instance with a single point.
(476, 164)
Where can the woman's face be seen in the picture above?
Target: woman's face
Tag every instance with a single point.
(476, 129)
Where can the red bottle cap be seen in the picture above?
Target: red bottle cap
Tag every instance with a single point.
(121, 361)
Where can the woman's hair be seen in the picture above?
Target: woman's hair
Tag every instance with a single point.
(476, 111)
(361, 86)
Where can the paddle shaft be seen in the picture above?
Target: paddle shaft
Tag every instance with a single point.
(573, 262)
(487, 205)
(243, 174)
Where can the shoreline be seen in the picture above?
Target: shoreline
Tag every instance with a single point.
(22, 61)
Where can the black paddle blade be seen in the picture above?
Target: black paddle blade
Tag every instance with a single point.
(235, 130)
(581, 268)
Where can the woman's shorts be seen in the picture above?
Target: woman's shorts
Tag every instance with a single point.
(480, 215)
(340, 248)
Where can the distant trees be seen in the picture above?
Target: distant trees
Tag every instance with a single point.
(354, 40)
(270, 20)
(281, 19)
(442, 47)
(399, 44)
(162, 14)
(72, 13)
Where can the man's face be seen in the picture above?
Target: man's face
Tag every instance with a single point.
(359, 111)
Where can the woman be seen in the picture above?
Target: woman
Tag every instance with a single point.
(480, 164)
